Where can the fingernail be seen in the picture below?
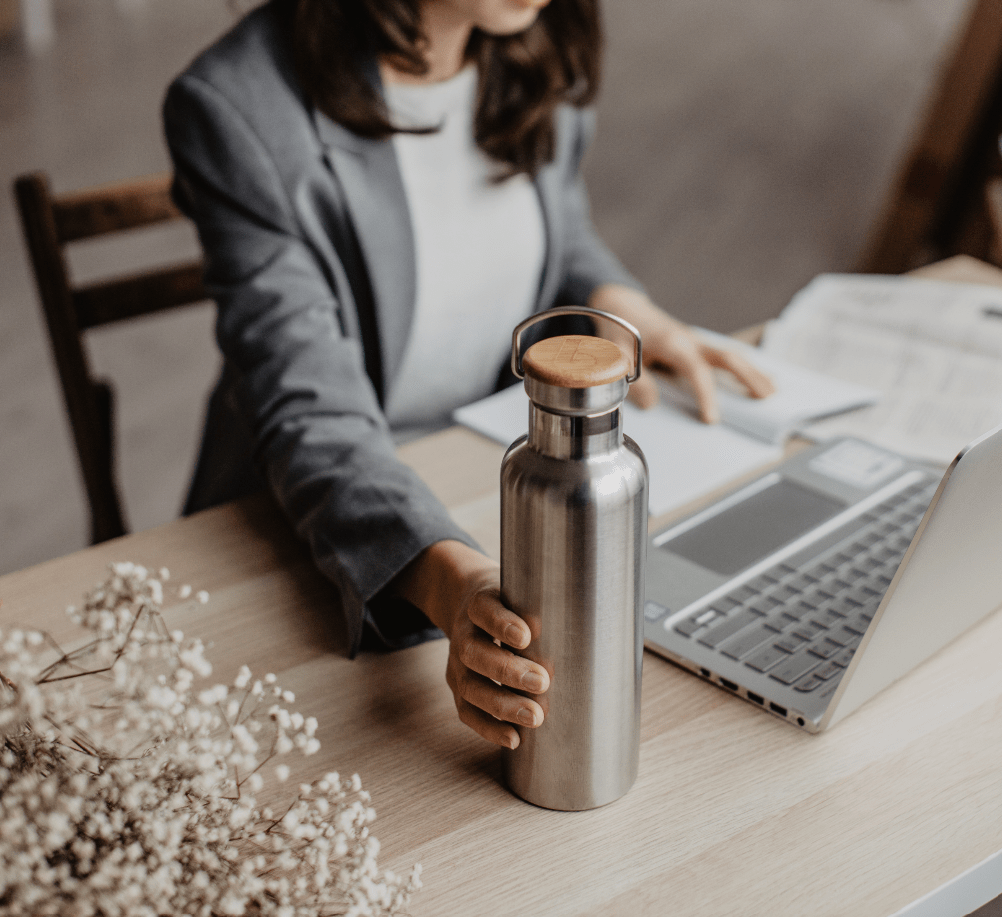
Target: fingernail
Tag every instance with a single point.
(525, 717)
(532, 681)
(513, 635)
(511, 740)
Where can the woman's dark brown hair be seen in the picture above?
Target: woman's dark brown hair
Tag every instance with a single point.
(523, 77)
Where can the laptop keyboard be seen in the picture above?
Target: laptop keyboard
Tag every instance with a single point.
(802, 626)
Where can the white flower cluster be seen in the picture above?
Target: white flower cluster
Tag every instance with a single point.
(124, 790)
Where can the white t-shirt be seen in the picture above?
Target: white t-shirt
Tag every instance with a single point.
(479, 249)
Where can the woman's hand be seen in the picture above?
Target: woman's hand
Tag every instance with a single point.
(459, 589)
(670, 345)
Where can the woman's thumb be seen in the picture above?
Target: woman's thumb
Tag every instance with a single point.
(644, 392)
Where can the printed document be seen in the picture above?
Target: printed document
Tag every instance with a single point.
(932, 348)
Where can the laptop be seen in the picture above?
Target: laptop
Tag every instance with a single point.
(810, 589)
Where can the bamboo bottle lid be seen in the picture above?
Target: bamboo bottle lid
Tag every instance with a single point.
(576, 361)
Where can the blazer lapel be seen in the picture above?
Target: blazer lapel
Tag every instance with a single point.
(370, 179)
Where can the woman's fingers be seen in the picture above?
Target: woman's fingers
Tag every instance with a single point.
(488, 709)
(692, 366)
(759, 385)
(498, 664)
(499, 703)
(486, 726)
(644, 392)
(694, 361)
(487, 612)
(489, 682)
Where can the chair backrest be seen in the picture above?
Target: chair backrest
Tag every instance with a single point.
(993, 205)
(50, 223)
(936, 205)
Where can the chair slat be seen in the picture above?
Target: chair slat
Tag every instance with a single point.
(49, 222)
(111, 208)
(129, 297)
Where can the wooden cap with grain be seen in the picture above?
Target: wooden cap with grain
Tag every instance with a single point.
(576, 361)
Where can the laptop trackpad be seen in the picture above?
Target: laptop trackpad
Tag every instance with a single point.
(742, 533)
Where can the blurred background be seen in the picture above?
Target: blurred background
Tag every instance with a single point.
(743, 147)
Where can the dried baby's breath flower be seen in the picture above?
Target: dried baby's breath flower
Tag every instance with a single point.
(126, 789)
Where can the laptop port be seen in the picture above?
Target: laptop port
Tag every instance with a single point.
(775, 708)
(705, 673)
(728, 684)
(755, 697)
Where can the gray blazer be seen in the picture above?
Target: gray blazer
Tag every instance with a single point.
(310, 259)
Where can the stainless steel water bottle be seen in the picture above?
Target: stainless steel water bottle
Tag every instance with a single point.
(573, 546)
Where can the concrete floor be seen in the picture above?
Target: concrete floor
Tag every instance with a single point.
(743, 148)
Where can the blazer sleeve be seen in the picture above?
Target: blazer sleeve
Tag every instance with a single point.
(319, 435)
(587, 260)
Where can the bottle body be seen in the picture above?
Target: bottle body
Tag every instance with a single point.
(574, 498)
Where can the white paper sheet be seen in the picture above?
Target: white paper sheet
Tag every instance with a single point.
(686, 458)
(934, 349)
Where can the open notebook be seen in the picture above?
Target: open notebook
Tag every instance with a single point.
(688, 458)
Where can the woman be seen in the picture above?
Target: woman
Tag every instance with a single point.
(370, 179)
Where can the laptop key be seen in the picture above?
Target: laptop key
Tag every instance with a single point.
(777, 622)
(802, 582)
(790, 643)
(844, 636)
(807, 631)
(783, 593)
(885, 554)
(813, 598)
(824, 649)
(808, 684)
(845, 606)
(844, 657)
(726, 628)
(653, 611)
(761, 583)
(827, 619)
(742, 594)
(724, 604)
(863, 596)
(748, 640)
(826, 671)
(688, 626)
(839, 636)
(856, 623)
(791, 669)
(762, 605)
(835, 584)
(766, 658)
(797, 611)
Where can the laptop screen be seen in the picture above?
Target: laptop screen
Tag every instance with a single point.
(745, 532)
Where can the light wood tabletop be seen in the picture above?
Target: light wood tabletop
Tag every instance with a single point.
(734, 812)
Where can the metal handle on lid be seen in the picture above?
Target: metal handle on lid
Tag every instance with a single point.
(516, 335)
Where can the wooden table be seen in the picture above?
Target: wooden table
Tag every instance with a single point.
(734, 812)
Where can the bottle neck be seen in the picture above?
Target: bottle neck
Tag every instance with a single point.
(565, 437)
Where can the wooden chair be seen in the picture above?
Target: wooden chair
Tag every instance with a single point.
(937, 206)
(50, 223)
(993, 205)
